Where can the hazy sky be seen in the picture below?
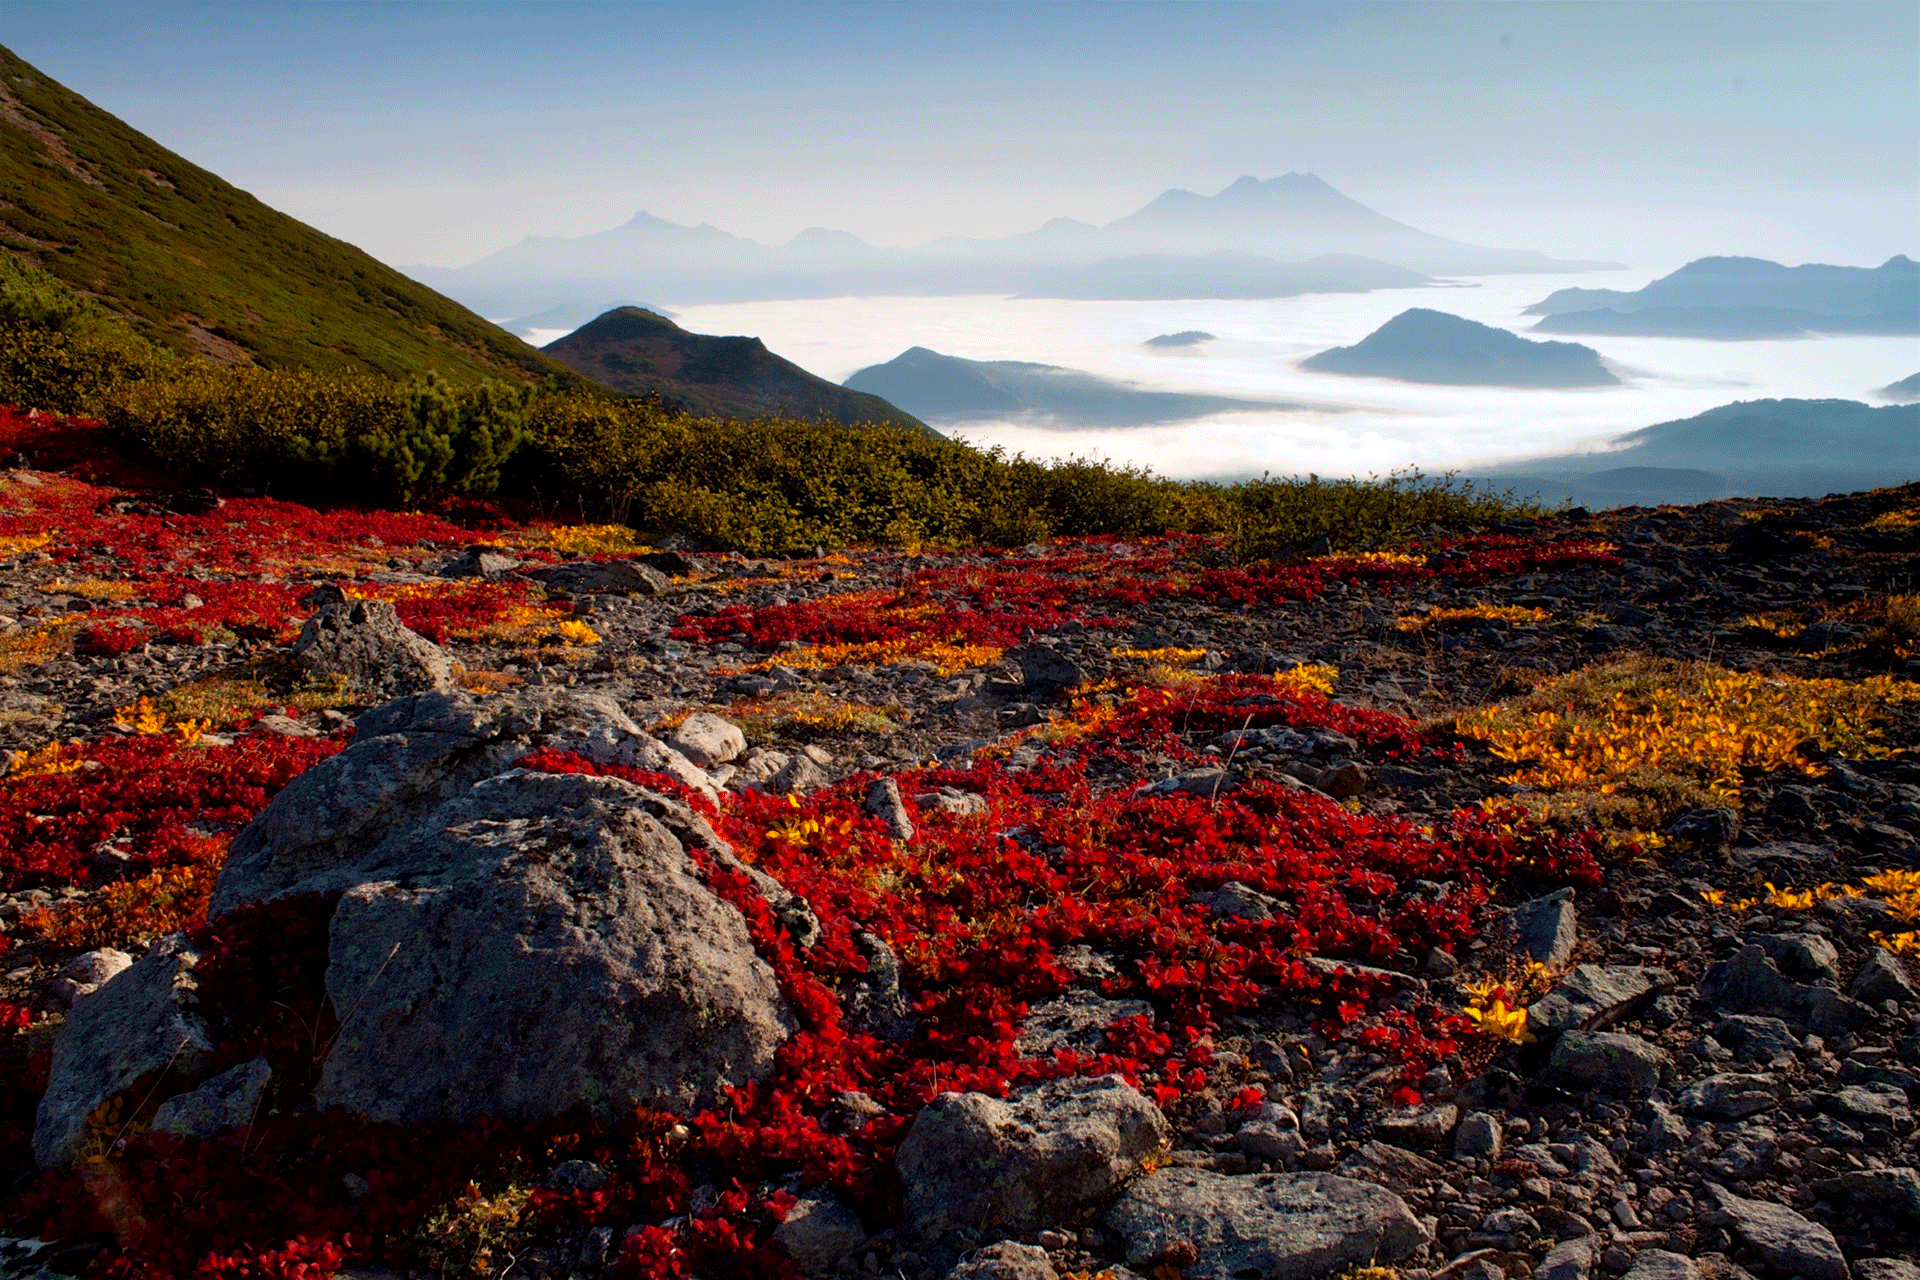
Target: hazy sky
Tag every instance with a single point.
(1647, 131)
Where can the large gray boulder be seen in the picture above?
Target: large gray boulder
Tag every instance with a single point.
(364, 643)
(140, 1027)
(1594, 996)
(407, 758)
(231, 1100)
(539, 943)
(1022, 1163)
(1274, 1226)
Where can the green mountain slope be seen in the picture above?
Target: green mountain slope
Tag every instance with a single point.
(639, 351)
(195, 264)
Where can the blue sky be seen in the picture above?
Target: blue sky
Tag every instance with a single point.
(1648, 131)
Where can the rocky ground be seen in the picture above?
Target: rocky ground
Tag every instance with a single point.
(1708, 1076)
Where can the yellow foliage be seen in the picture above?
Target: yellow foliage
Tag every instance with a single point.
(148, 721)
(947, 658)
(593, 539)
(21, 543)
(53, 758)
(1642, 727)
(93, 589)
(30, 646)
(1902, 520)
(131, 911)
(1370, 557)
(1168, 657)
(1308, 677)
(1486, 612)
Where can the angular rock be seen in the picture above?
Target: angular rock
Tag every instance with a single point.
(1029, 1161)
(1418, 1126)
(1265, 1226)
(1879, 1106)
(1883, 977)
(1750, 982)
(364, 643)
(539, 943)
(1479, 1137)
(1239, 901)
(624, 577)
(798, 776)
(410, 756)
(885, 803)
(1756, 1039)
(229, 1101)
(817, 1232)
(1077, 1020)
(1546, 929)
(1008, 1260)
(1595, 996)
(1805, 957)
(1271, 1132)
(1730, 1096)
(86, 973)
(1605, 1060)
(1047, 670)
(1662, 1264)
(138, 1027)
(1897, 1189)
(1712, 828)
(708, 740)
(1885, 1269)
(1790, 1243)
(1389, 1166)
(479, 562)
(1342, 778)
(1570, 1259)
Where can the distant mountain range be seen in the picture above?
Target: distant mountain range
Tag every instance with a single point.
(1227, 274)
(1421, 345)
(1288, 224)
(638, 351)
(1733, 298)
(1908, 388)
(948, 390)
(1755, 448)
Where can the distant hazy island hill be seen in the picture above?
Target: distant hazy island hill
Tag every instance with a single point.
(1735, 298)
(948, 389)
(1227, 274)
(1296, 218)
(1184, 338)
(639, 351)
(1434, 347)
(1754, 448)
(1907, 388)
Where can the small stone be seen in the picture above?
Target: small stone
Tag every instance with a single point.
(1883, 977)
(1875, 1105)
(1479, 1137)
(708, 740)
(230, 1100)
(1546, 929)
(817, 1232)
(1570, 1259)
(1788, 1241)
(885, 803)
(1418, 1126)
(1756, 1039)
(1272, 1133)
(1007, 1260)
(1885, 1269)
(1805, 956)
(1342, 779)
(1730, 1096)
(578, 1175)
(1596, 996)
(1605, 1060)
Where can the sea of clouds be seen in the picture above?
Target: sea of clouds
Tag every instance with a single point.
(1359, 426)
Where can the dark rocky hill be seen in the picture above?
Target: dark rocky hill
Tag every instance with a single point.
(1733, 298)
(1422, 345)
(942, 388)
(641, 352)
(1754, 448)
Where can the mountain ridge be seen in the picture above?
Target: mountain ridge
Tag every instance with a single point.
(196, 265)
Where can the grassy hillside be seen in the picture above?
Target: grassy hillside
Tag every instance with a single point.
(197, 265)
